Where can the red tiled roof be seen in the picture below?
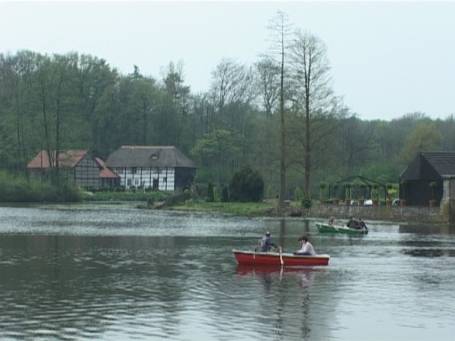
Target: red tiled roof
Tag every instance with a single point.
(105, 171)
(67, 159)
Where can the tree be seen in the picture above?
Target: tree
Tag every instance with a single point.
(358, 140)
(231, 83)
(246, 185)
(314, 95)
(280, 29)
(93, 82)
(425, 137)
(268, 82)
(217, 151)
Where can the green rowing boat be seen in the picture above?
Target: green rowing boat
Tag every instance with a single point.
(327, 228)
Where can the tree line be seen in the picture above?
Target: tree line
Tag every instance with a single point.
(279, 116)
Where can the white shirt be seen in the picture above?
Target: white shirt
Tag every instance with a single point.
(307, 248)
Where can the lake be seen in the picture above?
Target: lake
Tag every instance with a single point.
(93, 272)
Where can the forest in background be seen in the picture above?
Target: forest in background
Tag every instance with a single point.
(74, 101)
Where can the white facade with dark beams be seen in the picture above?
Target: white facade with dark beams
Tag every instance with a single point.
(163, 168)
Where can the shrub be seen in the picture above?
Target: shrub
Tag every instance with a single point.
(246, 185)
(306, 203)
(298, 194)
(15, 188)
(225, 194)
(210, 193)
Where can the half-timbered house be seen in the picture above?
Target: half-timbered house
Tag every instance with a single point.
(76, 166)
(108, 178)
(163, 168)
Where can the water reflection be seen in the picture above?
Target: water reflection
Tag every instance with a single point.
(78, 286)
(426, 241)
(304, 275)
(287, 291)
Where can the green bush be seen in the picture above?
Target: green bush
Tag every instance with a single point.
(306, 203)
(298, 194)
(246, 185)
(15, 188)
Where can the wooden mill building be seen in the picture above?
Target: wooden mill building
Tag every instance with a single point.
(427, 178)
(76, 166)
(163, 168)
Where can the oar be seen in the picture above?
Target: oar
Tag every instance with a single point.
(281, 256)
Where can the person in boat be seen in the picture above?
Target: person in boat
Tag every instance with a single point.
(354, 224)
(306, 248)
(266, 243)
(363, 225)
(351, 222)
(331, 221)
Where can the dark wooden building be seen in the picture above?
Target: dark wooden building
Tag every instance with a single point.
(424, 179)
(163, 168)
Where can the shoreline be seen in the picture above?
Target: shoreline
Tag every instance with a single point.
(267, 209)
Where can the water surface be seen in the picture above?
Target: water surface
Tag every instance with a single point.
(118, 273)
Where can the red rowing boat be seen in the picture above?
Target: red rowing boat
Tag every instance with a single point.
(277, 258)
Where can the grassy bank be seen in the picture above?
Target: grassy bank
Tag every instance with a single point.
(125, 196)
(249, 209)
(16, 188)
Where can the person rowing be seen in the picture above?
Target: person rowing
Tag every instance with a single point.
(266, 243)
(357, 224)
(363, 225)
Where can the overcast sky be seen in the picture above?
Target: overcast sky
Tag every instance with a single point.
(387, 58)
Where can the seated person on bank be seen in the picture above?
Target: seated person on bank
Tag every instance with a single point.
(306, 248)
(266, 243)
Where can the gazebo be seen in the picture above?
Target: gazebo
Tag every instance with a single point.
(357, 188)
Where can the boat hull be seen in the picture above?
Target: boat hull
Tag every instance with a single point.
(275, 258)
(326, 228)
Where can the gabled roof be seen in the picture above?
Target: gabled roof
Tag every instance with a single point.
(442, 162)
(149, 157)
(105, 171)
(66, 158)
(358, 180)
(430, 166)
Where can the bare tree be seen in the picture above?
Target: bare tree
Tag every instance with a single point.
(314, 96)
(268, 76)
(43, 90)
(280, 30)
(63, 64)
(231, 83)
(231, 93)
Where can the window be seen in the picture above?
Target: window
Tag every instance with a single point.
(134, 170)
(128, 182)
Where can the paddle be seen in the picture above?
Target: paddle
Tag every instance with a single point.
(281, 256)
